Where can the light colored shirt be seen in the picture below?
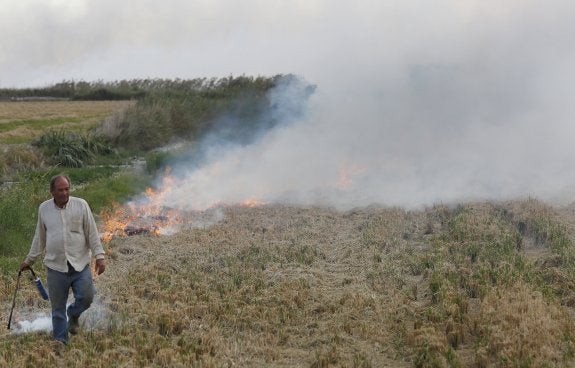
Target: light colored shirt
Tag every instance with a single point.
(65, 235)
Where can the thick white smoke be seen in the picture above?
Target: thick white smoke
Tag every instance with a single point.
(95, 317)
(417, 102)
(39, 323)
(435, 132)
(416, 143)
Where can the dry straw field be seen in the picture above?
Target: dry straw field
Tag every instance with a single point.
(22, 121)
(281, 286)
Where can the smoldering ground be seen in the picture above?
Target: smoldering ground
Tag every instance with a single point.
(29, 320)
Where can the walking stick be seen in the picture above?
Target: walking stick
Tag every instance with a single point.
(39, 285)
(14, 299)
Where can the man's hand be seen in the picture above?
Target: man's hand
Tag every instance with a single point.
(100, 266)
(24, 266)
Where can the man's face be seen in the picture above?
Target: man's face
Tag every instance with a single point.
(61, 192)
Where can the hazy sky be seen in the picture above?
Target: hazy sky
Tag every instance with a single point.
(418, 101)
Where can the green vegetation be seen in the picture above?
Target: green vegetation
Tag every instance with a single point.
(18, 206)
(86, 175)
(36, 124)
(232, 109)
(103, 193)
(139, 89)
(157, 160)
(92, 91)
(72, 150)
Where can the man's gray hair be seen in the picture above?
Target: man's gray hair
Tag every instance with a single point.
(56, 177)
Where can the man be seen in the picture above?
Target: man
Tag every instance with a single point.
(67, 235)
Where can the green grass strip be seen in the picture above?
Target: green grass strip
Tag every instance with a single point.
(38, 124)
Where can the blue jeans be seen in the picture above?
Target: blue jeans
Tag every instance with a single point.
(59, 284)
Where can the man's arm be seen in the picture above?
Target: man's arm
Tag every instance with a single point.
(38, 244)
(93, 238)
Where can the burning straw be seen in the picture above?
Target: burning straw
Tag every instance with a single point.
(149, 216)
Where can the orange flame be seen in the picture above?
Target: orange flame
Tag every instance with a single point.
(148, 216)
(346, 172)
(252, 202)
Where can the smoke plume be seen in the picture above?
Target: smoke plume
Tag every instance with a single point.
(416, 103)
(442, 133)
(39, 323)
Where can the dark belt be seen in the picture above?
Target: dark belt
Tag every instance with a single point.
(71, 269)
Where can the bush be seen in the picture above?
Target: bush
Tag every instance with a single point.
(71, 150)
(235, 110)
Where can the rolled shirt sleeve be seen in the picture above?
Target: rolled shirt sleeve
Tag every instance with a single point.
(38, 242)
